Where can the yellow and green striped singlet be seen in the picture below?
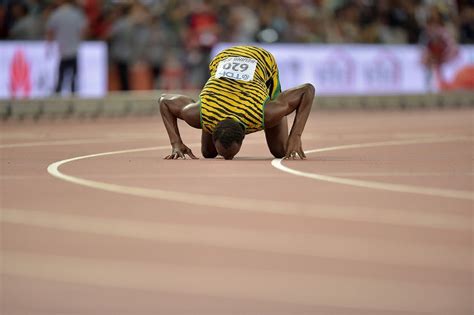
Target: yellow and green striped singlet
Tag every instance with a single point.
(231, 91)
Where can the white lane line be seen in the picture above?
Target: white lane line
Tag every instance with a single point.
(439, 139)
(347, 247)
(447, 220)
(448, 193)
(239, 175)
(191, 198)
(402, 174)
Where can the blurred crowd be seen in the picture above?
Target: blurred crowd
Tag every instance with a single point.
(169, 38)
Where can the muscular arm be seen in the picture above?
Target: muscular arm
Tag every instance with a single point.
(173, 107)
(300, 99)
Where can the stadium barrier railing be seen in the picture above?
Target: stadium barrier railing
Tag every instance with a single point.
(145, 103)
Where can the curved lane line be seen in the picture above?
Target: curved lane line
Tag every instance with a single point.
(190, 198)
(438, 192)
(358, 214)
(247, 204)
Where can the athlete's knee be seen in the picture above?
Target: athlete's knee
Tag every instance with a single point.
(278, 151)
(208, 154)
(278, 154)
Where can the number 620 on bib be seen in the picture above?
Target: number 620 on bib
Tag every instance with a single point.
(236, 68)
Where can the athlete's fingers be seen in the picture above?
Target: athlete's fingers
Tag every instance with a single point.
(289, 155)
(190, 153)
(167, 157)
(301, 154)
(192, 156)
(180, 155)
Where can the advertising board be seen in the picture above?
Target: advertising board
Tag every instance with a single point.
(359, 69)
(29, 69)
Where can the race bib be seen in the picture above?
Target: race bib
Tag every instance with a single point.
(236, 68)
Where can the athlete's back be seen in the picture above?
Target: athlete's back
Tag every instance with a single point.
(242, 79)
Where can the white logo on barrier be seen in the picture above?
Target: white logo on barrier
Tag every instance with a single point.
(336, 72)
(382, 71)
(236, 68)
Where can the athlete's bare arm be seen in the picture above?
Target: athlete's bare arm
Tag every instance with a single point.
(300, 99)
(172, 107)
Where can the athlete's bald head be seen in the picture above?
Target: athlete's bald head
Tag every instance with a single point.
(228, 136)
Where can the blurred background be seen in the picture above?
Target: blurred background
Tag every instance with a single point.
(343, 47)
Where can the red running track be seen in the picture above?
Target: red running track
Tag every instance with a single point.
(378, 221)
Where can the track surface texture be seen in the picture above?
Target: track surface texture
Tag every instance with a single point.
(377, 221)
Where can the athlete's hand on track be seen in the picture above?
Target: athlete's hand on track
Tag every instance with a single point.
(294, 148)
(179, 152)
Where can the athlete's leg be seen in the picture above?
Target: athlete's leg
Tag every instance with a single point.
(277, 137)
(299, 99)
(208, 149)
